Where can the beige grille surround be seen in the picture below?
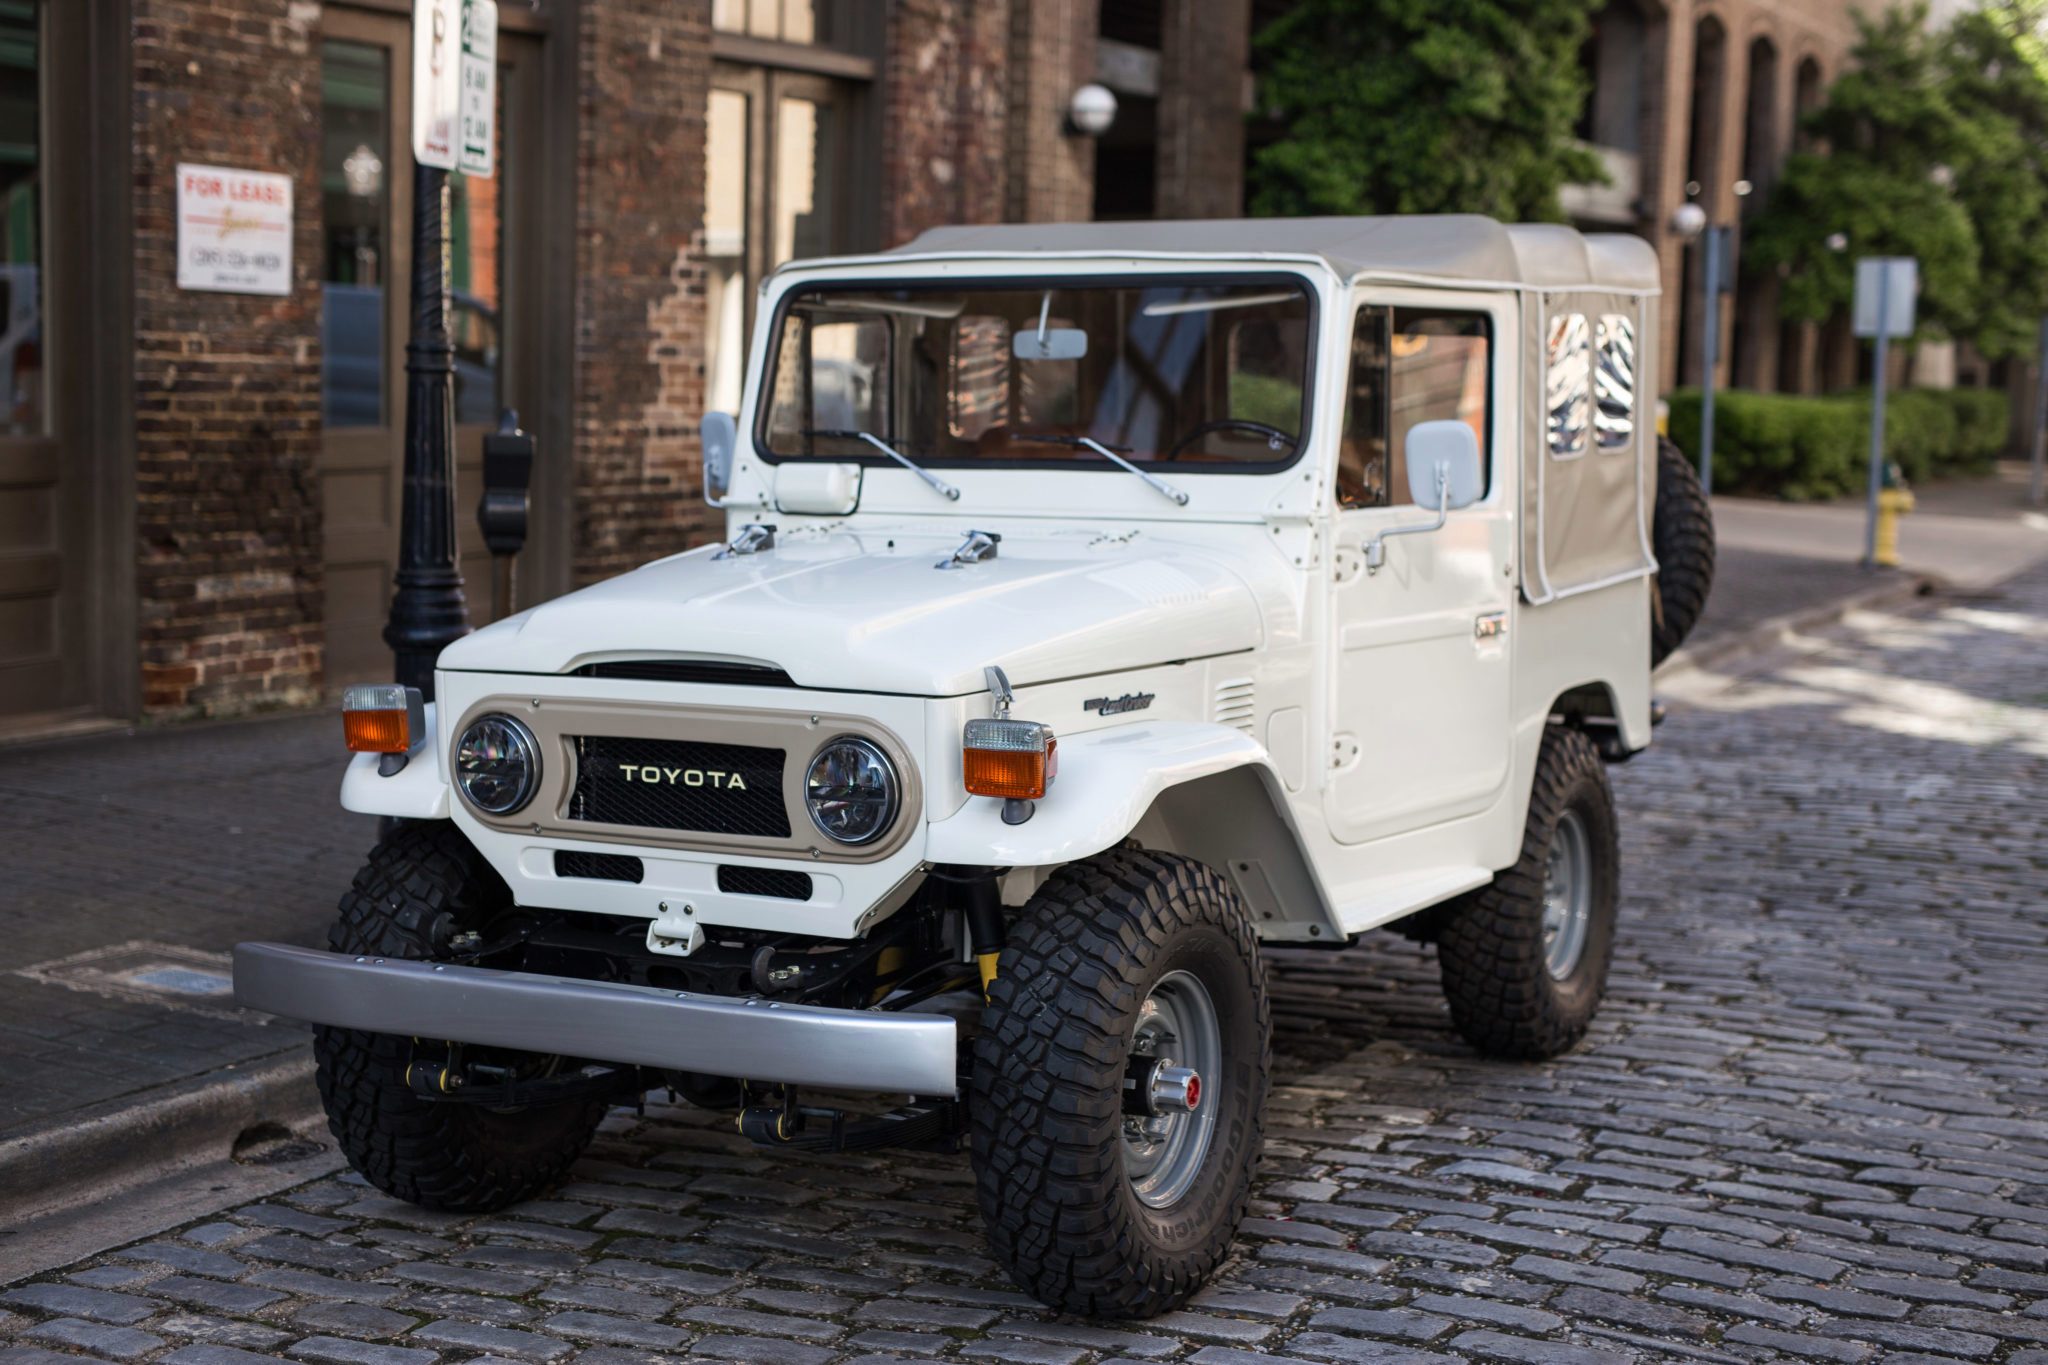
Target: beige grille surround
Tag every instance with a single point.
(555, 723)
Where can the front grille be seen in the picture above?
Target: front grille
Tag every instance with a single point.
(679, 784)
(598, 867)
(764, 881)
(688, 671)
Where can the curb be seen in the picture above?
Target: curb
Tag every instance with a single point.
(1782, 629)
(100, 1151)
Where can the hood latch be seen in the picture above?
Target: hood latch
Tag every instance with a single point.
(978, 546)
(753, 538)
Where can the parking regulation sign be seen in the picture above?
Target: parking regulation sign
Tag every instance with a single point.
(437, 80)
(479, 112)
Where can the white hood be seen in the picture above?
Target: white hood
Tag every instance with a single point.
(868, 610)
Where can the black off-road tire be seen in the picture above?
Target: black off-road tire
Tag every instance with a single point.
(1046, 1086)
(422, 884)
(1490, 948)
(1682, 534)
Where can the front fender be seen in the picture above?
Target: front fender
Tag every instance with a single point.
(1108, 779)
(418, 791)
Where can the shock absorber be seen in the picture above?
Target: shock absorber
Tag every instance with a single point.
(985, 926)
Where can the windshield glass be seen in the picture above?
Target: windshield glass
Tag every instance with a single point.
(1181, 370)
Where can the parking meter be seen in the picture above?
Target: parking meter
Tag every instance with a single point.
(502, 514)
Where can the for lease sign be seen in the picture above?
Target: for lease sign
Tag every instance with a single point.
(234, 230)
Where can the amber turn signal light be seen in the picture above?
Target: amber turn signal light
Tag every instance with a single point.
(1012, 759)
(382, 718)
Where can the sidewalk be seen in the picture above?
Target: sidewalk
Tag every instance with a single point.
(1780, 560)
(135, 861)
(139, 859)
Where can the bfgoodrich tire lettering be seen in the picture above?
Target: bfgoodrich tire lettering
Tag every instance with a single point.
(1046, 1088)
(1504, 997)
(422, 883)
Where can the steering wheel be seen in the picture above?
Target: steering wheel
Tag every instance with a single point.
(1274, 436)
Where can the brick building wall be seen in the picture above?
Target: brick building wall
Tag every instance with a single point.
(644, 71)
(946, 100)
(967, 123)
(1205, 45)
(227, 386)
(1767, 54)
(1052, 49)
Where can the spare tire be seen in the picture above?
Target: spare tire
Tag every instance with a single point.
(1682, 534)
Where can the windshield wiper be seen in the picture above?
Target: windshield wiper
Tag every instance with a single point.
(1090, 443)
(939, 485)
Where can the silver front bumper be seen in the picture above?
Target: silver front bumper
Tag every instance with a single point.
(642, 1025)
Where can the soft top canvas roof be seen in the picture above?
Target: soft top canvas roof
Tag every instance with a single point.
(1462, 248)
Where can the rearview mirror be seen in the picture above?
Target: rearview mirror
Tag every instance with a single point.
(720, 434)
(1054, 343)
(1453, 447)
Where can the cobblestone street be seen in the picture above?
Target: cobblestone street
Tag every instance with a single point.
(1811, 1123)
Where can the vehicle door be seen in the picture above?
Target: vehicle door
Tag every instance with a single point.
(1420, 667)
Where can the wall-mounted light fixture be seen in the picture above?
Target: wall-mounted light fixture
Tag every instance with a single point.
(1091, 110)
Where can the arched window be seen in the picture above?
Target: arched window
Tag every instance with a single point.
(1760, 136)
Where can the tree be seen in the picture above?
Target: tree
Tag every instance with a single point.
(1423, 106)
(1935, 146)
(1996, 81)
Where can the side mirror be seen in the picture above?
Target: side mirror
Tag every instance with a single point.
(1444, 473)
(720, 434)
(1454, 447)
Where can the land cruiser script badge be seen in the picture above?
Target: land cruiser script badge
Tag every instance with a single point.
(1116, 706)
(687, 777)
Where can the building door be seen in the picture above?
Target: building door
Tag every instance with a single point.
(493, 230)
(57, 648)
(778, 144)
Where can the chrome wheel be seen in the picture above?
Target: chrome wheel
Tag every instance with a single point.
(1164, 1151)
(1567, 896)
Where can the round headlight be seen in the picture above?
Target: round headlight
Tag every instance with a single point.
(850, 791)
(497, 765)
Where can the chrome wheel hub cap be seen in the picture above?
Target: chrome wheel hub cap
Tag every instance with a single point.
(1164, 1151)
(1567, 896)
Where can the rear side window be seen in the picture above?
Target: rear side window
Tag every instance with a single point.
(1568, 384)
(1614, 383)
(1408, 366)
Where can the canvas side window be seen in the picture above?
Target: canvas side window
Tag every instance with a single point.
(1614, 384)
(1568, 384)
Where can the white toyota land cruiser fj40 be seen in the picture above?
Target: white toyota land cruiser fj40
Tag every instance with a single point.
(1100, 602)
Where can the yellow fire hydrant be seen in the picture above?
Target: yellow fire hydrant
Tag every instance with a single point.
(1894, 500)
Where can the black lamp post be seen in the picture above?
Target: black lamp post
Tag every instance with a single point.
(427, 609)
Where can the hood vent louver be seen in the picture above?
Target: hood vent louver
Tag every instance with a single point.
(688, 671)
(1235, 703)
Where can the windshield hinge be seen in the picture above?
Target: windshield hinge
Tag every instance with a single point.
(978, 546)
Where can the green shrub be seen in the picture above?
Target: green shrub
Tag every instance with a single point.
(1807, 449)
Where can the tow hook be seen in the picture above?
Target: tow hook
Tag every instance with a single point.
(1156, 1085)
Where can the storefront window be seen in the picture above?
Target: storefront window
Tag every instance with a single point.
(355, 177)
(773, 192)
(725, 249)
(476, 259)
(805, 156)
(21, 225)
(788, 21)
